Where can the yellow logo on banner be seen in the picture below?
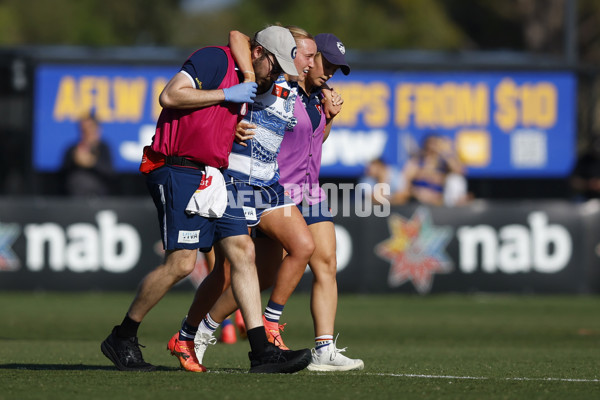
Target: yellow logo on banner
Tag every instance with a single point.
(474, 147)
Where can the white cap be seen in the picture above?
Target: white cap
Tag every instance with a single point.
(279, 41)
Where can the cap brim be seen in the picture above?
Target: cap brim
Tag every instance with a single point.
(338, 60)
(287, 66)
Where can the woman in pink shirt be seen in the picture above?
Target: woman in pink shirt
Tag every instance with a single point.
(299, 164)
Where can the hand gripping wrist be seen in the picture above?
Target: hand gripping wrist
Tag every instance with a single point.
(241, 93)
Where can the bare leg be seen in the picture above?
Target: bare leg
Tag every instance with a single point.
(210, 289)
(178, 264)
(239, 250)
(293, 234)
(268, 258)
(269, 254)
(324, 295)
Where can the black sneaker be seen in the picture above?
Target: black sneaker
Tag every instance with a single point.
(276, 361)
(125, 353)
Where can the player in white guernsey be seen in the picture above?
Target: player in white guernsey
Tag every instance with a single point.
(272, 113)
(298, 165)
(254, 170)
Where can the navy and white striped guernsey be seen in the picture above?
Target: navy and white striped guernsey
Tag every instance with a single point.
(273, 114)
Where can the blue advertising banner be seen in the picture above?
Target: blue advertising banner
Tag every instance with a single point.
(494, 247)
(502, 124)
(123, 98)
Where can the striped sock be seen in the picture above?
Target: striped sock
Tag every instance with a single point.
(187, 332)
(208, 325)
(273, 312)
(322, 342)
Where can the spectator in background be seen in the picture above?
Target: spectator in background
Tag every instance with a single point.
(435, 175)
(378, 172)
(87, 167)
(585, 180)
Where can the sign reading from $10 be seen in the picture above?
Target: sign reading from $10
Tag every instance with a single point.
(502, 124)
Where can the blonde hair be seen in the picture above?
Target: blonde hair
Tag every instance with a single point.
(299, 33)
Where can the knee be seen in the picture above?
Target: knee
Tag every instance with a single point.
(180, 264)
(243, 253)
(325, 268)
(247, 250)
(181, 270)
(303, 247)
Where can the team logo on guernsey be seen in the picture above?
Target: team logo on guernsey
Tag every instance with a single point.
(280, 92)
(416, 250)
(319, 108)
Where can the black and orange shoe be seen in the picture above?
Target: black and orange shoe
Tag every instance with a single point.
(185, 353)
(273, 331)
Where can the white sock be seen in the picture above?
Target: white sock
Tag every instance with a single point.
(208, 325)
(322, 343)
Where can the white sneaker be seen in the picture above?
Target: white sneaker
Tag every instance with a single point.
(332, 359)
(201, 342)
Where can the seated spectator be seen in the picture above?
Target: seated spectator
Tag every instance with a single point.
(377, 171)
(87, 168)
(435, 175)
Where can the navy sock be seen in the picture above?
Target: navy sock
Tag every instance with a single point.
(273, 311)
(187, 332)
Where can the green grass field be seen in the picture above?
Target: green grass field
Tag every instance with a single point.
(434, 347)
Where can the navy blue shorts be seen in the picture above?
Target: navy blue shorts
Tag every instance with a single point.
(257, 200)
(314, 213)
(171, 188)
(319, 212)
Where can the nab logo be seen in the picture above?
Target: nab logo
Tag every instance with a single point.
(280, 92)
(416, 250)
(8, 259)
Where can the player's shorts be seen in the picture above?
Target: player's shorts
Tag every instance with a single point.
(171, 188)
(255, 201)
(313, 213)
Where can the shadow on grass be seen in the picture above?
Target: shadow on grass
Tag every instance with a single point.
(72, 367)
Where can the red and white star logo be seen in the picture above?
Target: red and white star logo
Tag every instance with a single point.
(416, 250)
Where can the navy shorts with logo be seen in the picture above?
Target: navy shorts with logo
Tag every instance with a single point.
(171, 188)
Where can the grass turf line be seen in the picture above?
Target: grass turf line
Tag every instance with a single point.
(413, 347)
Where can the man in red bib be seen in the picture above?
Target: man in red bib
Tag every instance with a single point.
(202, 105)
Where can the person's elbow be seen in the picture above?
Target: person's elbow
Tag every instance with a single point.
(166, 100)
(238, 37)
